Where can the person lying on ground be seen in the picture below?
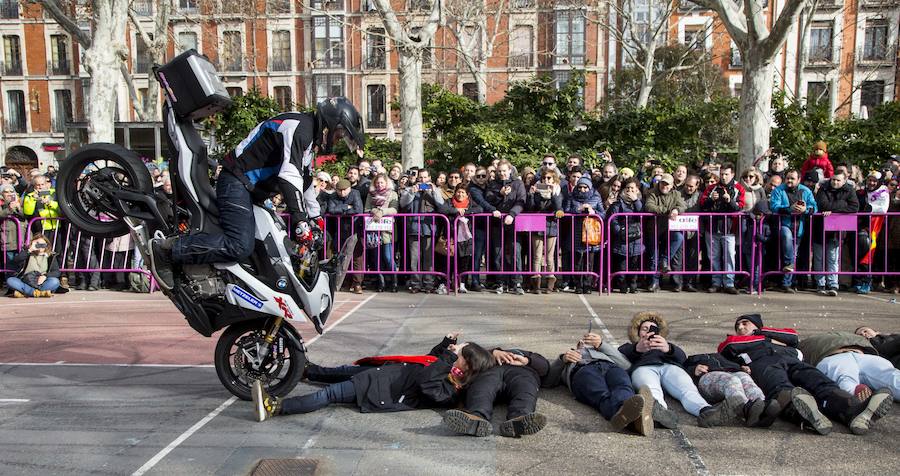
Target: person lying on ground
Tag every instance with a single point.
(852, 362)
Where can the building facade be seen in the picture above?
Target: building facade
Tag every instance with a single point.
(299, 52)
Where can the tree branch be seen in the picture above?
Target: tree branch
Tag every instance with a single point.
(782, 26)
(55, 10)
(731, 17)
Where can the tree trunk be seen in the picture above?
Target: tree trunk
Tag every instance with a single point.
(481, 81)
(756, 100)
(646, 87)
(102, 60)
(412, 148)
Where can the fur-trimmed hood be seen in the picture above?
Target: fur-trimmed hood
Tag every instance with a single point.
(639, 319)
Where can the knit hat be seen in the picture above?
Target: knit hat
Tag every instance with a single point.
(756, 319)
(812, 176)
(626, 173)
(875, 174)
(821, 145)
(342, 184)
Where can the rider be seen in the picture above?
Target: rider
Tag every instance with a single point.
(277, 154)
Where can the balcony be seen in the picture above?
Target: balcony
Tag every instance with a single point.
(11, 69)
(876, 57)
(279, 64)
(829, 5)
(59, 68)
(878, 4)
(377, 123)
(9, 9)
(520, 61)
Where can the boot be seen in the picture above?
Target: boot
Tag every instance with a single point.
(467, 423)
(551, 285)
(877, 406)
(536, 284)
(523, 425)
(629, 412)
(800, 404)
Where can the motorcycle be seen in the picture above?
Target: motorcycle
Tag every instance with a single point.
(106, 191)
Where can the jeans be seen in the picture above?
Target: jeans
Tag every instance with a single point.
(343, 392)
(666, 249)
(511, 255)
(236, 241)
(382, 259)
(421, 258)
(788, 251)
(721, 258)
(50, 284)
(674, 380)
(850, 369)
(479, 236)
(603, 386)
(830, 251)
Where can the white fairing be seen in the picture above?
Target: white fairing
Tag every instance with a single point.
(257, 296)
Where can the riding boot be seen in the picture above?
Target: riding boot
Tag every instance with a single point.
(536, 284)
(551, 284)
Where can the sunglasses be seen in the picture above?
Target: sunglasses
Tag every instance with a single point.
(481, 175)
(549, 163)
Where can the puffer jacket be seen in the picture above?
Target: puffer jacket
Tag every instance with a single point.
(674, 356)
(759, 345)
(573, 205)
(632, 232)
(814, 162)
(888, 346)
(818, 347)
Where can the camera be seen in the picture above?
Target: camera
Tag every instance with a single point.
(45, 193)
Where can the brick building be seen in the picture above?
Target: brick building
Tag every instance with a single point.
(298, 52)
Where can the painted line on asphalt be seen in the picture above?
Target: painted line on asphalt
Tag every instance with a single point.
(75, 364)
(141, 301)
(184, 436)
(683, 442)
(14, 400)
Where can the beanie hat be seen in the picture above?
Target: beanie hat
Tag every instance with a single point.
(342, 184)
(821, 145)
(626, 173)
(756, 319)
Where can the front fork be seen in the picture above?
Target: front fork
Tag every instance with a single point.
(262, 352)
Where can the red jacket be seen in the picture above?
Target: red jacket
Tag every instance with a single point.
(759, 344)
(814, 162)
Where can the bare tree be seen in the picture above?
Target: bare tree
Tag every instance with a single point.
(411, 39)
(758, 45)
(103, 49)
(475, 25)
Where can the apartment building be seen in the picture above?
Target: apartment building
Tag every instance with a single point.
(301, 51)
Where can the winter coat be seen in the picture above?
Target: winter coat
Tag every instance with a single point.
(511, 204)
(413, 200)
(759, 345)
(389, 208)
(814, 162)
(573, 205)
(404, 386)
(716, 363)
(724, 226)
(662, 204)
(632, 233)
(9, 227)
(783, 199)
(752, 196)
(538, 366)
(561, 371)
(842, 200)
(818, 347)
(888, 346)
(345, 207)
(675, 356)
(536, 203)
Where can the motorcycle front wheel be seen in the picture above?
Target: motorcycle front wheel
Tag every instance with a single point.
(239, 344)
(85, 179)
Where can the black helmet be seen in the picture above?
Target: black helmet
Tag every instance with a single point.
(338, 114)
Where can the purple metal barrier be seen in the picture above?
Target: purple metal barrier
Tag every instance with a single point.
(700, 231)
(9, 248)
(66, 239)
(490, 240)
(830, 245)
(406, 244)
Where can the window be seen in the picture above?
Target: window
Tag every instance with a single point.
(470, 90)
(85, 95)
(187, 6)
(9, 9)
(820, 42)
(278, 6)
(375, 49)
(871, 94)
(641, 15)
(523, 3)
(62, 109)
(330, 5)
(281, 51)
(12, 56)
(419, 5)
(736, 60)
(235, 91)
(876, 46)
(328, 36)
(284, 98)
(737, 89)
(376, 116)
(569, 37)
(142, 95)
(369, 6)
(561, 78)
(695, 37)
(15, 115)
(327, 85)
(232, 55)
(59, 55)
(143, 8)
(142, 57)
(818, 93)
(520, 52)
(187, 40)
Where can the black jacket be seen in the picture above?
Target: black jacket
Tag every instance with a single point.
(343, 208)
(716, 363)
(513, 203)
(406, 386)
(538, 204)
(842, 200)
(674, 356)
(20, 261)
(888, 346)
(759, 345)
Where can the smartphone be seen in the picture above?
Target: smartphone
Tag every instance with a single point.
(424, 186)
(40, 246)
(45, 193)
(653, 330)
(590, 324)
(543, 186)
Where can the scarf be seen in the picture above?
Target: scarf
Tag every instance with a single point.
(380, 197)
(463, 204)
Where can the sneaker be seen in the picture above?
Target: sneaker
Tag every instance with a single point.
(806, 406)
(566, 289)
(629, 412)
(42, 294)
(689, 288)
(862, 392)
(663, 416)
(499, 289)
(466, 423)
(770, 414)
(161, 264)
(266, 406)
(523, 425)
(878, 406)
(653, 288)
(863, 289)
(821, 292)
(518, 290)
(831, 292)
(441, 289)
(462, 288)
(788, 268)
(17, 294)
(414, 290)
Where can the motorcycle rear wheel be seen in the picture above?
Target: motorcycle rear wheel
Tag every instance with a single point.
(95, 214)
(281, 371)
